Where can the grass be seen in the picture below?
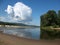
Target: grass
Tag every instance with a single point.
(45, 28)
(50, 28)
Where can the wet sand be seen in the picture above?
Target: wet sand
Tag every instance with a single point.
(14, 40)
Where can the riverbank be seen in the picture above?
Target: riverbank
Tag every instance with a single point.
(50, 28)
(13, 40)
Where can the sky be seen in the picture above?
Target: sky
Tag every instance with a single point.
(30, 13)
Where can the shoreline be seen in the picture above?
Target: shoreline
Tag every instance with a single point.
(49, 28)
(14, 40)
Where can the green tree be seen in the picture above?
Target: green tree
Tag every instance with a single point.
(58, 18)
(59, 13)
(48, 19)
(53, 17)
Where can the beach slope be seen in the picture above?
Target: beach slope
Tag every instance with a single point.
(13, 40)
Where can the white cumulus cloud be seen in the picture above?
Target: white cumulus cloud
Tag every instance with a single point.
(19, 12)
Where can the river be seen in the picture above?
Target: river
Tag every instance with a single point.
(30, 33)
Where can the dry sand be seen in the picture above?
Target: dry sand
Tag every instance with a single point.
(13, 40)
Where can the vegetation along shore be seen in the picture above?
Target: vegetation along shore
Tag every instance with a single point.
(50, 25)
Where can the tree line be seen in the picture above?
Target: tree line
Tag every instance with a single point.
(10, 23)
(50, 18)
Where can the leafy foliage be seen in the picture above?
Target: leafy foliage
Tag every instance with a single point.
(51, 18)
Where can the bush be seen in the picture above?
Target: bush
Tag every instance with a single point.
(56, 26)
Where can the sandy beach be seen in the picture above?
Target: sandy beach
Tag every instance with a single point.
(14, 40)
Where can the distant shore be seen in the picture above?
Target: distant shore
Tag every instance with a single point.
(14, 40)
(18, 27)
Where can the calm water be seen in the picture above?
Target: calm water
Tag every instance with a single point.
(32, 33)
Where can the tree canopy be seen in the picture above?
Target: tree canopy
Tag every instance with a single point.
(50, 18)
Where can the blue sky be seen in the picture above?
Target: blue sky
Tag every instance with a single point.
(38, 7)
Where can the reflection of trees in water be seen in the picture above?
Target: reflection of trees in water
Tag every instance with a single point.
(50, 34)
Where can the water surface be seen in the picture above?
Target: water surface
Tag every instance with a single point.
(31, 33)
